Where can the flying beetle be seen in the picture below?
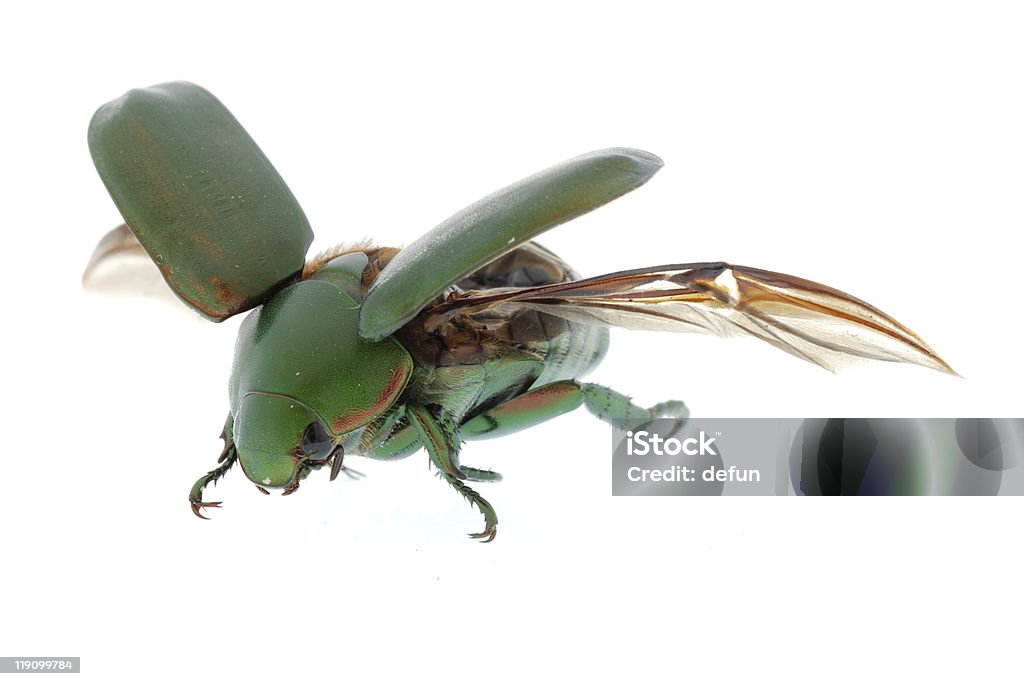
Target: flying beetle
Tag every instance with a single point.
(473, 331)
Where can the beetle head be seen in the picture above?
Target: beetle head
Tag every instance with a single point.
(279, 440)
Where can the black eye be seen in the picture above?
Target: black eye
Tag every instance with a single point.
(316, 442)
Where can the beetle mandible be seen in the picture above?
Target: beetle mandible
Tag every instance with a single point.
(381, 352)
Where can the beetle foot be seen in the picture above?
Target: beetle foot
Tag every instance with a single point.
(197, 505)
(195, 496)
(475, 499)
(485, 536)
(292, 488)
(675, 409)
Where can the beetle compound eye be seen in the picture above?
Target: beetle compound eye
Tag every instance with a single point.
(316, 442)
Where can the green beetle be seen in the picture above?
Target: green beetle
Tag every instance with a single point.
(471, 332)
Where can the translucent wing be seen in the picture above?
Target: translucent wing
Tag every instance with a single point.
(806, 319)
(121, 266)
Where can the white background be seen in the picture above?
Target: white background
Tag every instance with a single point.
(876, 147)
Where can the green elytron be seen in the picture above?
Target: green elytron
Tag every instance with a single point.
(471, 332)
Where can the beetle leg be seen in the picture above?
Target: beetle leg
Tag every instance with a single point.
(228, 447)
(526, 410)
(225, 461)
(619, 411)
(397, 445)
(475, 499)
(227, 434)
(195, 497)
(554, 399)
(474, 474)
(440, 436)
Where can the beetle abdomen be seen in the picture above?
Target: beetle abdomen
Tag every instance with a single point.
(568, 349)
(555, 347)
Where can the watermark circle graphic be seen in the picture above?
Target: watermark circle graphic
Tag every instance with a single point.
(993, 444)
(860, 457)
(822, 456)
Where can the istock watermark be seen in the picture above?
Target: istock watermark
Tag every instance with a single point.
(840, 456)
(646, 442)
(677, 473)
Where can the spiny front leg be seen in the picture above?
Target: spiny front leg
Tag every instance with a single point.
(227, 459)
(439, 434)
(195, 497)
